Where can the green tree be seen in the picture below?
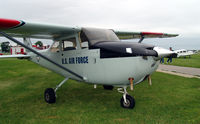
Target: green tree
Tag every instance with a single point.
(39, 43)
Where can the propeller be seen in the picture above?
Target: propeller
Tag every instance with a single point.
(164, 53)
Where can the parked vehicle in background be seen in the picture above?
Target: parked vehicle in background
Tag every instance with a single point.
(5, 47)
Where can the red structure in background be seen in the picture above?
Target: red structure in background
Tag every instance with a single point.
(17, 50)
(21, 50)
(41, 48)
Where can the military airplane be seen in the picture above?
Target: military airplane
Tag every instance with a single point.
(91, 55)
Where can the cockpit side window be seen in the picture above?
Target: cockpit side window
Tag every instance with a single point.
(55, 47)
(84, 40)
(64, 45)
(69, 44)
(84, 45)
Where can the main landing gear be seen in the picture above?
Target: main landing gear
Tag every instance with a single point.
(126, 101)
(50, 93)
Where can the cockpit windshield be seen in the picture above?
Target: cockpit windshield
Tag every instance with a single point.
(94, 35)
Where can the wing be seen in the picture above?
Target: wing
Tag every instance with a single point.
(138, 35)
(18, 28)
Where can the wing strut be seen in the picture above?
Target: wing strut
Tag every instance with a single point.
(39, 54)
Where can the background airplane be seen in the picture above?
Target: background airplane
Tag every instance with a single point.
(91, 55)
(184, 53)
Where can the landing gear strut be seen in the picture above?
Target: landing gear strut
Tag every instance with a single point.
(126, 101)
(50, 93)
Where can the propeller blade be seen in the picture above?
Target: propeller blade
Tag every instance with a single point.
(162, 52)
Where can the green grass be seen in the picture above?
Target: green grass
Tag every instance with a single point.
(170, 100)
(194, 61)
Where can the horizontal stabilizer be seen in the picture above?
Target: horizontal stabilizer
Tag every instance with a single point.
(15, 56)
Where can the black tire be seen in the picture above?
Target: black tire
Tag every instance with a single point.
(130, 102)
(108, 87)
(49, 95)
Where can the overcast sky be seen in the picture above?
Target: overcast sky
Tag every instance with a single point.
(170, 16)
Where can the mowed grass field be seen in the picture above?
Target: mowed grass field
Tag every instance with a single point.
(171, 99)
(194, 61)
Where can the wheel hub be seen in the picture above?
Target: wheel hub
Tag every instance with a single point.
(47, 97)
(127, 104)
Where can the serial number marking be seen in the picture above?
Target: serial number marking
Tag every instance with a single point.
(75, 60)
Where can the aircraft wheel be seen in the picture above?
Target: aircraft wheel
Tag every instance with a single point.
(108, 87)
(49, 95)
(130, 102)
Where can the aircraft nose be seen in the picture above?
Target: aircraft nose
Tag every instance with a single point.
(162, 52)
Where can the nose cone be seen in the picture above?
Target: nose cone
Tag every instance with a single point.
(163, 52)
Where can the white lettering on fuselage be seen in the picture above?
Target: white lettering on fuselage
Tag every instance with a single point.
(75, 60)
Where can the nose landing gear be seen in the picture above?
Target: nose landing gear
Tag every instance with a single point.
(126, 101)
